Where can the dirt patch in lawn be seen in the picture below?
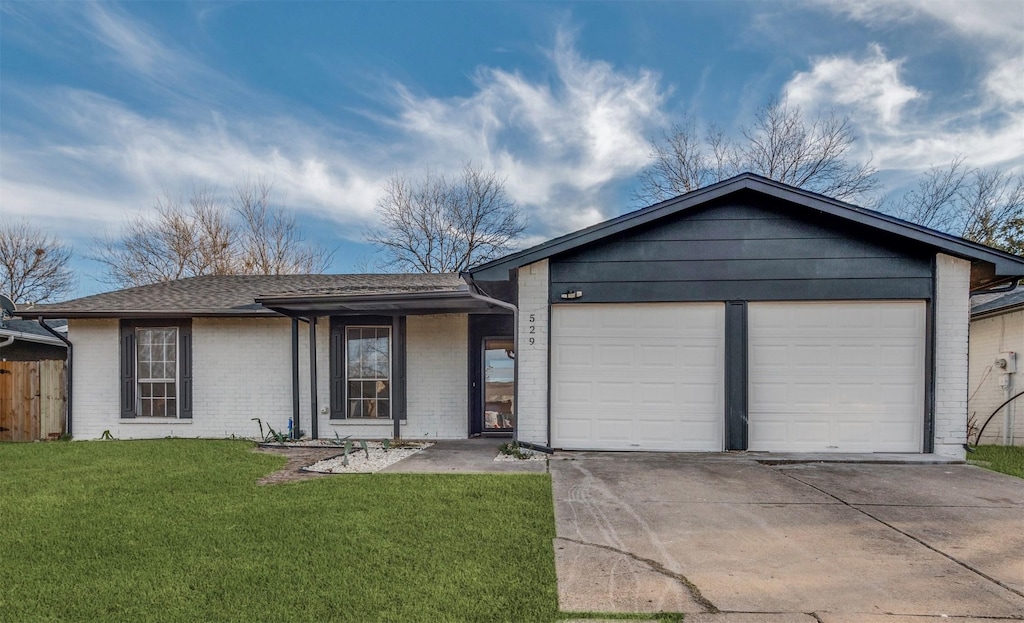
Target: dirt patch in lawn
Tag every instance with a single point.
(297, 457)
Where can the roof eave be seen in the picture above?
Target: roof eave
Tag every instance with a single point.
(148, 313)
(455, 301)
(1005, 265)
(998, 311)
(31, 337)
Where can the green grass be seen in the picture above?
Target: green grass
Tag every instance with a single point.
(1005, 459)
(178, 530)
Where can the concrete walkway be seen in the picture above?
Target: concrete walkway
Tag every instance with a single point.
(731, 540)
(464, 456)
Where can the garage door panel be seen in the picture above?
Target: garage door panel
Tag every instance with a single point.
(657, 356)
(612, 393)
(611, 429)
(810, 395)
(656, 367)
(615, 355)
(579, 392)
(870, 379)
(574, 354)
(855, 432)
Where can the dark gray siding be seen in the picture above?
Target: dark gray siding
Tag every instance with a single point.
(745, 247)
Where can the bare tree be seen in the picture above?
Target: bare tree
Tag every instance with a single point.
(205, 236)
(435, 224)
(34, 264)
(684, 161)
(780, 144)
(979, 205)
(271, 241)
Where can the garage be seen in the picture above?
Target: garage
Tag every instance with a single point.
(836, 376)
(638, 377)
(746, 315)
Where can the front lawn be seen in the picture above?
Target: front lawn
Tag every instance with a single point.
(178, 530)
(1005, 459)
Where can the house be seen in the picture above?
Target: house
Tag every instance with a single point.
(25, 340)
(748, 315)
(996, 374)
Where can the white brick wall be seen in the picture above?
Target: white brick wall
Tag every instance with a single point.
(532, 359)
(242, 369)
(437, 369)
(96, 373)
(952, 321)
(989, 337)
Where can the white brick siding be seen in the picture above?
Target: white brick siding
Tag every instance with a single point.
(95, 392)
(242, 369)
(437, 369)
(989, 337)
(532, 359)
(952, 321)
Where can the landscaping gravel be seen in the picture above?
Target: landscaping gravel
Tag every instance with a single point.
(533, 456)
(359, 463)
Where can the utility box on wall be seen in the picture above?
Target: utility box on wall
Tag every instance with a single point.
(1006, 362)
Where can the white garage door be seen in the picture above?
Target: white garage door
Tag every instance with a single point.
(638, 377)
(836, 377)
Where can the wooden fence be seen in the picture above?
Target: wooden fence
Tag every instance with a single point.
(32, 400)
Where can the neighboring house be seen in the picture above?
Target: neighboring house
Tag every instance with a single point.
(997, 329)
(25, 340)
(745, 315)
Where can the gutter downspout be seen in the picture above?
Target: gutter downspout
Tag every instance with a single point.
(71, 349)
(1001, 289)
(477, 293)
(8, 341)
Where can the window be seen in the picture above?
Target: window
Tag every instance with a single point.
(156, 368)
(368, 371)
(157, 371)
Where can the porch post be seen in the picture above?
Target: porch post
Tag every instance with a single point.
(295, 378)
(312, 378)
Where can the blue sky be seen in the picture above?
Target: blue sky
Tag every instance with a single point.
(105, 106)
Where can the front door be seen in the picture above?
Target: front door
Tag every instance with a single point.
(498, 385)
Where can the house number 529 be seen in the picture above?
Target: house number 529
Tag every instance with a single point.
(532, 329)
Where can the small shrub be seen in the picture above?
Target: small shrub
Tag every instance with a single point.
(512, 448)
(348, 449)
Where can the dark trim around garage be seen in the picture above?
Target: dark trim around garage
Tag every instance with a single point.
(928, 430)
(736, 375)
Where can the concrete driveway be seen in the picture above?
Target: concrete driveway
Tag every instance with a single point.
(829, 542)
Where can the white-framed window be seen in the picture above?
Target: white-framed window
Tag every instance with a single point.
(156, 371)
(368, 371)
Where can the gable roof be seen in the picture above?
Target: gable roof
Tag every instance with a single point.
(1006, 265)
(235, 295)
(991, 304)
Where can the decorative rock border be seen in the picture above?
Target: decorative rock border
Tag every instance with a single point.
(373, 460)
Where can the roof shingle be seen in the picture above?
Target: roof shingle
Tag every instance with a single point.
(234, 295)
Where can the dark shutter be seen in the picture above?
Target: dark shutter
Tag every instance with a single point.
(127, 369)
(337, 358)
(185, 370)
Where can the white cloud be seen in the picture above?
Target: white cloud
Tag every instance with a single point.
(561, 142)
(984, 124)
(1002, 20)
(871, 85)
